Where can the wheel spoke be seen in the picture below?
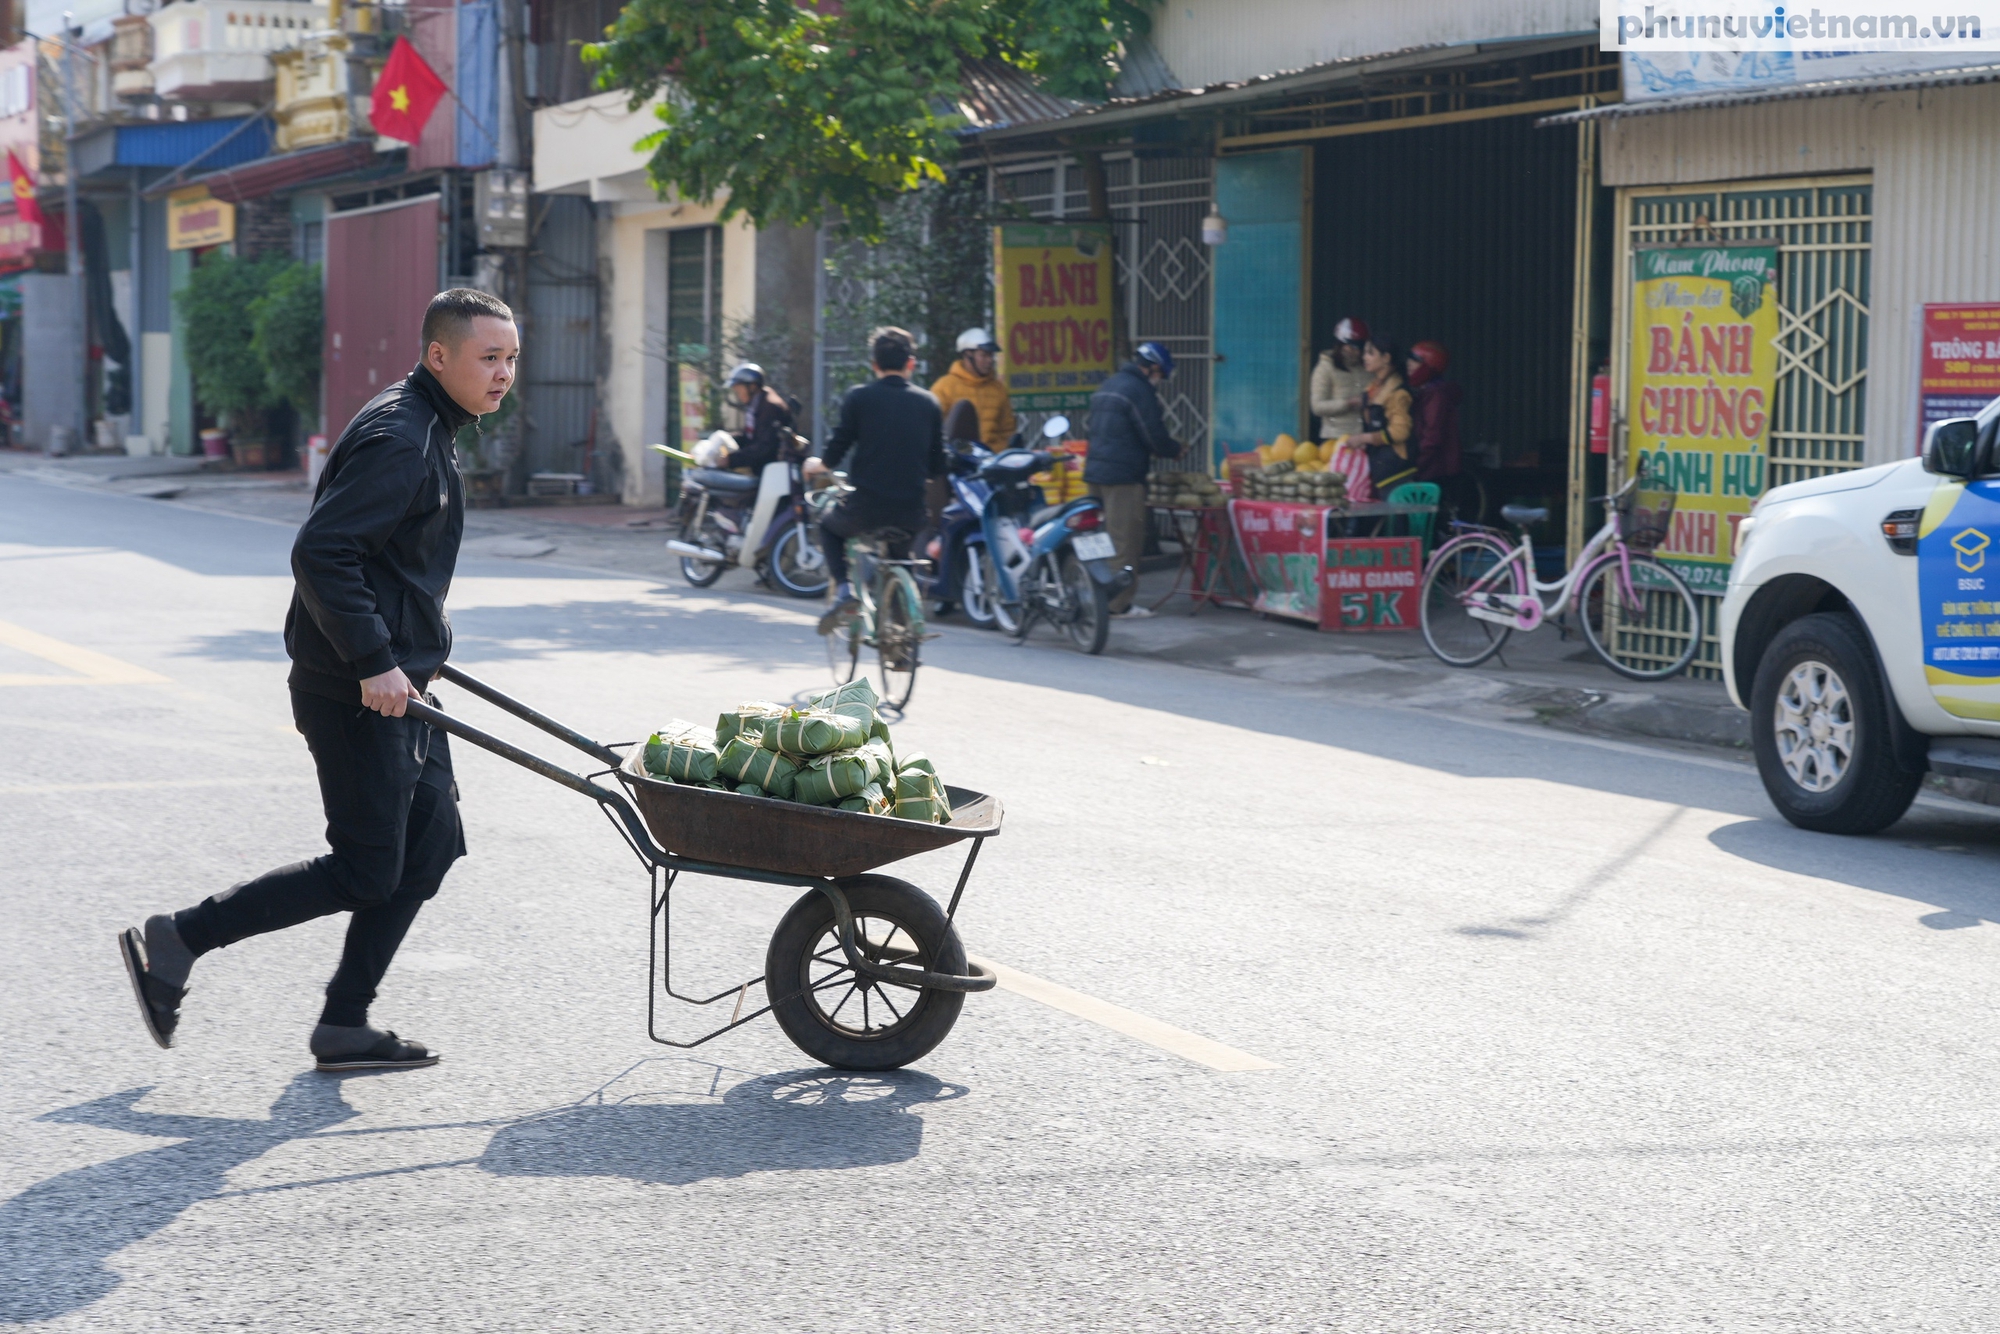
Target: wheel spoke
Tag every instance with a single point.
(883, 996)
(835, 1012)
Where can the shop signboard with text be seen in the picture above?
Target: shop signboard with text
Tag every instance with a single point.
(1703, 373)
(1959, 371)
(196, 219)
(1371, 583)
(1052, 293)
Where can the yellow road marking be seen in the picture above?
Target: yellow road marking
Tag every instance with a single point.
(91, 668)
(1178, 1041)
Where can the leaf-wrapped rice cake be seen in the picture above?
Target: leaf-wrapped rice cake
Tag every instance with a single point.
(683, 752)
(828, 778)
(745, 718)
(811, 732)
(748, 762)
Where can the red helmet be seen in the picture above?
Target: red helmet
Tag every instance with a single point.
(1351, 329)
(1431, 359)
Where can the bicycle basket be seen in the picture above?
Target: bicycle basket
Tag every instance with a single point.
(1645, 513)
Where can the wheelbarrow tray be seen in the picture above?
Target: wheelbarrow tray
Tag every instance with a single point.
(767, 834)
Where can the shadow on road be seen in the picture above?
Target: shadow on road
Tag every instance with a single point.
(814, 1121)
(57, 1235)
(1945, 860)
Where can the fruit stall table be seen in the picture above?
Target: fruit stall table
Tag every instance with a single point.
(1299, 561)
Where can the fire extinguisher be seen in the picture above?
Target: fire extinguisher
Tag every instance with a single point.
(1600, 413)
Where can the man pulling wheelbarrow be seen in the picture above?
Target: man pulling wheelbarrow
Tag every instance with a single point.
(366, 633)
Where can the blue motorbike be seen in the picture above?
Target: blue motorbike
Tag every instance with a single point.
(1025, 561)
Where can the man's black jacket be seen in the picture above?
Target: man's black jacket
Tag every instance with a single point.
(374, 558)
(767, 431)
(1127, 429)
(896, 431)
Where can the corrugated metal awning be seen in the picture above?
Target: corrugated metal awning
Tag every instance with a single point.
(267, 176)
(1867, 83)
(1244, 94)
(172, 143)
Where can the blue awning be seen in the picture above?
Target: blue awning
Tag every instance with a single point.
(174, 143)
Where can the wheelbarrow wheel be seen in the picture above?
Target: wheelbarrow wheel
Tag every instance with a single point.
(842, 1018)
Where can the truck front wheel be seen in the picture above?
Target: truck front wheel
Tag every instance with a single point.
(1820, 728)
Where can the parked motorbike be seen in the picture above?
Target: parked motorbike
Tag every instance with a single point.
(1028, 561)
(723, 515)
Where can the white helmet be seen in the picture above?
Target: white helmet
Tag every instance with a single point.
(976, 340)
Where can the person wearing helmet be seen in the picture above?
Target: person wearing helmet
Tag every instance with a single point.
(768, 429)
(1127, 432)
(974, 375)
(1338, 382)
(1434, 403)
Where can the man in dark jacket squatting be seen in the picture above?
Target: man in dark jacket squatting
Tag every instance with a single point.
(366, 633)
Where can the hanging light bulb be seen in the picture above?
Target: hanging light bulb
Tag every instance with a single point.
(1214, 228)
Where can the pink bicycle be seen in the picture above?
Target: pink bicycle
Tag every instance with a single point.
(1638, 615)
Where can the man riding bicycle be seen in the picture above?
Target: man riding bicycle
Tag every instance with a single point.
(896, 433)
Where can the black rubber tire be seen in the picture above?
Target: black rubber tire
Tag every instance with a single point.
(1875, 790)
(1093, 624)
(789, 964)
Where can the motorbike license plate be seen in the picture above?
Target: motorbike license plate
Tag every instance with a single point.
(1093, 546)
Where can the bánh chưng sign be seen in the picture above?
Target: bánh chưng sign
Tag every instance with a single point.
(1704, 372)
(1052, 293)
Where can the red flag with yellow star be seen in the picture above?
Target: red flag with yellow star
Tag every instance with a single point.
(406, 92)
(26, 208)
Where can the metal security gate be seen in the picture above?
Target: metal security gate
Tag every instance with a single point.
(1824, 229)
(559, 355)
(1163, 267)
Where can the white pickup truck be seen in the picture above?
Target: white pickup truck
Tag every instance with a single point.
(1861, 630)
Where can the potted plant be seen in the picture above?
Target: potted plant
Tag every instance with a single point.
(230, 379)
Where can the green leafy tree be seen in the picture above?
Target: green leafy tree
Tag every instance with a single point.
(287, 323)
(793, 109)
(229, 377)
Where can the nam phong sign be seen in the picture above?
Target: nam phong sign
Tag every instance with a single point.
(1704, 369)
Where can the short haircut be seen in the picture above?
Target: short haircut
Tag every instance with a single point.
(450, 315)
(890, 348)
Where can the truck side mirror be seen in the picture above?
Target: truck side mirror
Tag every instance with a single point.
(1951, 447)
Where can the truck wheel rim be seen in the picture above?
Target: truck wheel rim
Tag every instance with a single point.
(1814, 723)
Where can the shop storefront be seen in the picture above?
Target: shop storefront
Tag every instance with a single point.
(1893, 220)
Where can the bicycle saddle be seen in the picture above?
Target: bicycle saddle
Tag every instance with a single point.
(1523, 515)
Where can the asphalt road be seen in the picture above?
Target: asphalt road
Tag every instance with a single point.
(1566, 1033)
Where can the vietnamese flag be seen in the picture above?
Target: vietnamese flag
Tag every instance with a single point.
(406, 92)
(25, 206)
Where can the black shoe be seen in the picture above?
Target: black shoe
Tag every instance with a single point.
(388, 1052)
(159, 1003)
(841, 607)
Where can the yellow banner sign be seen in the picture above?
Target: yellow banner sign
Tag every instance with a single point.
(1704, 369)
(1052, 295)
(196, 218)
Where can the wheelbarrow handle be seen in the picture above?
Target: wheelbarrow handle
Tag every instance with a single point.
(498, 700)
(506, 750)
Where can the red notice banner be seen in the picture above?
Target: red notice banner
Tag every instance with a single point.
(1960, 369)
(1371, 583)
(1281, 545)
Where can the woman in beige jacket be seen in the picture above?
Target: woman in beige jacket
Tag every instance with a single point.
(1339, 382)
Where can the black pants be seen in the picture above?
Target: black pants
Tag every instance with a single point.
(859, 514)
(392, 822)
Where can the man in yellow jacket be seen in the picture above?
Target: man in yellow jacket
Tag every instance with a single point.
(974, 376)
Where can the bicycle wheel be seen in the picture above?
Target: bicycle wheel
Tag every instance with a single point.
(843, 649)
(1454, 634)
(899, 636)
(1649, 631)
